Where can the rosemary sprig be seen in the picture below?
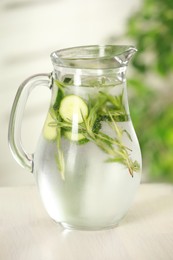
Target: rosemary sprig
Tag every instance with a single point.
(60, 156)
(132, 166)
(112, 146)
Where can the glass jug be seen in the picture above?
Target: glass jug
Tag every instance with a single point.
(87, 163)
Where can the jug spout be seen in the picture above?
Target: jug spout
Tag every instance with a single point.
(124, 54)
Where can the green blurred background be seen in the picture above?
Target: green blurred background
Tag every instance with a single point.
(150, 83)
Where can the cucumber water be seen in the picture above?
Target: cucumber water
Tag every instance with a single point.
(89, 141)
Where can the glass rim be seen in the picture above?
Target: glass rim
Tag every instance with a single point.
(88, 56)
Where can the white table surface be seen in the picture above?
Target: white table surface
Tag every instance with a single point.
(28, 233)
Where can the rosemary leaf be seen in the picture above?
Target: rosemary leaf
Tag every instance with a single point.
(60, 155)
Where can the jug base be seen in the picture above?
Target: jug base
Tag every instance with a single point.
(87, 228)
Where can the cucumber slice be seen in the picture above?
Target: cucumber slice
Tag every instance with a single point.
(73, 107)
(49, 132)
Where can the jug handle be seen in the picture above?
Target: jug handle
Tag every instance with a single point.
(14, 132)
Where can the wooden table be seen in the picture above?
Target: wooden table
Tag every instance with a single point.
(27, 232)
